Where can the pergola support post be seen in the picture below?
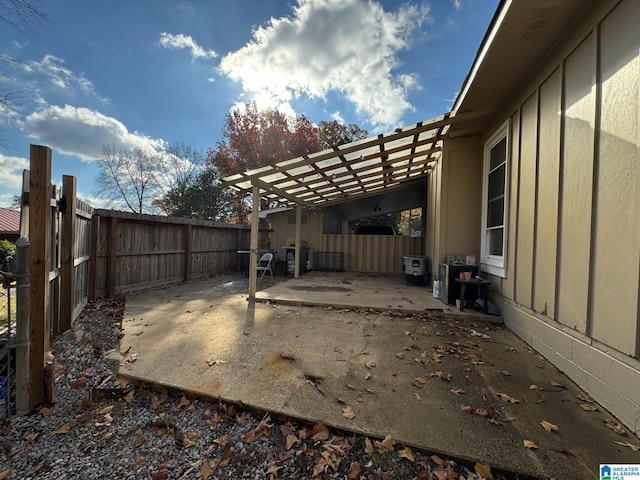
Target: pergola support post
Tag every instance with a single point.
(298, 254)
(253, 247)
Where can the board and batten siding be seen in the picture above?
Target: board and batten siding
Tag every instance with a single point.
(572, 287)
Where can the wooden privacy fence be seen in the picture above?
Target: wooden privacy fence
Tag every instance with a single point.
(373, 253)
(76, 253)
(135, 251)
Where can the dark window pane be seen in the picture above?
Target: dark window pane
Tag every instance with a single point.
(495, 242)
(496, 183)
(498, 154)
(495, 213)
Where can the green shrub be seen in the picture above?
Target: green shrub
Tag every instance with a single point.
(7, 256)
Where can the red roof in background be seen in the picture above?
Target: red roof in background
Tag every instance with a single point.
(9, 220)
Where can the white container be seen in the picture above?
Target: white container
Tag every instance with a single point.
(414, 267)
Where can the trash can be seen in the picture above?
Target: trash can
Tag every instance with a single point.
(414, 268)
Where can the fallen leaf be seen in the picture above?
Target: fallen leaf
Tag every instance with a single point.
(438, 461)
(183, 402)
(290, 441)
(548, 426)
(264, 426)
(129, 397)
(272, 468)
(419, 382)
(161, 474)
(506, 373)
(635, 448)
(587, 407)
(443, 474)
(483, 470)
(506, 398)
(368, 447)
(355, 469)
(466, 408)
(63, 429)
(31, 437)
(107, 437)
(105, 410)
(457, 391)
(190, 439)
(205, 470)
(584, 397)
(556, 384)
(615, 426)
(139, 442)
(106, 422)
(369, 364)
(400, 355)
(385, 445)
(319, 431)
(139, 460)
(529, 444)
(407, 453)
(212, 422)
(46, 411)
(38, 467)
(348, 412)
(535, 387)
(437, 358)
(243, 418)
(222, 440)
(250, 436)
(7, 473)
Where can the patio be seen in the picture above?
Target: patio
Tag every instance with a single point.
(447, 383)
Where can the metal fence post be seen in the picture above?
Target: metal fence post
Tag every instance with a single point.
(22, 326)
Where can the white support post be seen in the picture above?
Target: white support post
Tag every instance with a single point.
(298, 246)
(253, 255)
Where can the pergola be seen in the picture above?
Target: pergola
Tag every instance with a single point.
(381, 164)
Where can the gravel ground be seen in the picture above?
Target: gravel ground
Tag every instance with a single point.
(101, 427)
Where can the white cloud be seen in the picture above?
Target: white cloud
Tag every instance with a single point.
(457, 4)
(11, 170)
(82, 132)
(348, 46)
(168, 40)
(59, 77)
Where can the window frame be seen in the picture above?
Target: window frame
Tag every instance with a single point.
(495, 264)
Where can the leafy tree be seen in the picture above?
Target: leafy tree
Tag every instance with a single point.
(333, 134)
(7, 256)
(200, 197)
(392, 219)
(252, 139)
(129, 178)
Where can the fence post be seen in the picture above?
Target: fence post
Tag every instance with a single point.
(39, 265)
(22, 326)
(187, 254)
(112, 250)
(67, 255)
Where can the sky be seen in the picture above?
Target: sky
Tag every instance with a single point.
(149, 73)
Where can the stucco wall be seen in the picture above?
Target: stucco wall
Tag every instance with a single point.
(573, 258)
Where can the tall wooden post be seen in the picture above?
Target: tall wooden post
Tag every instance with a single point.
(188, 245)
(112, 250)
(39, 263)
(298, 261)
(253, 248)
(67, 256)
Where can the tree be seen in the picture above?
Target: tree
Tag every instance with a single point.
(128, 177)
(200, 197)
(333, 134)
(252, 139)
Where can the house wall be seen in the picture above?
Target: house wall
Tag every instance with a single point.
(454, 201)
(573, 253)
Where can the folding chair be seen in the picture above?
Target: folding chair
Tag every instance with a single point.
(264, 266)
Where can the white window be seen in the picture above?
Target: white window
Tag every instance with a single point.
(495, 202)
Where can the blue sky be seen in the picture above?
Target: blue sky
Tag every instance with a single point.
(148, 73)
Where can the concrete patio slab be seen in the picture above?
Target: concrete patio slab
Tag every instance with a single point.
(453, 385)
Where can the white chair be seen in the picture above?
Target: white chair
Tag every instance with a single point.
(265, 266)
